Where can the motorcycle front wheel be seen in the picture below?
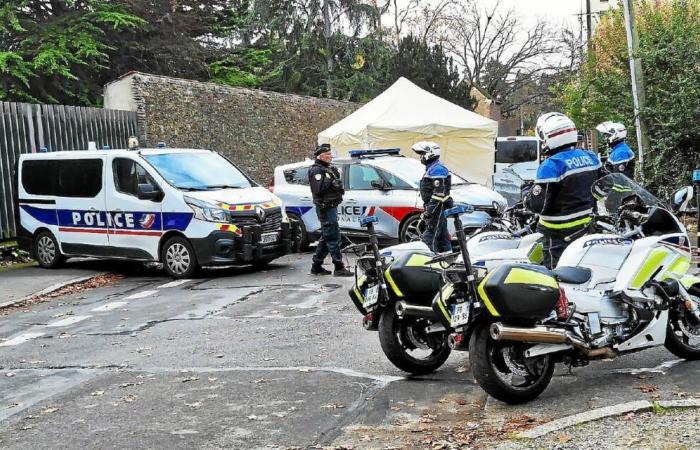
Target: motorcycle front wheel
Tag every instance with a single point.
(407, 345)
(502, 370)
(682, 338)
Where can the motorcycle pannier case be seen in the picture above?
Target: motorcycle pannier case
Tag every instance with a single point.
(519, 292)
(409, 279)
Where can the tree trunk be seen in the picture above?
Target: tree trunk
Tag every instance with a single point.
(329, 54)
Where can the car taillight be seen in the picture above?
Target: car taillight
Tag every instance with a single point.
(271, 187)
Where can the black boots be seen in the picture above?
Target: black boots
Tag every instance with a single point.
(317, 269)
(342, 271)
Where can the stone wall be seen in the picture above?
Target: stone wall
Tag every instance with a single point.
(258, 130)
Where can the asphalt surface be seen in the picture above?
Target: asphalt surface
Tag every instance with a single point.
(246, 359)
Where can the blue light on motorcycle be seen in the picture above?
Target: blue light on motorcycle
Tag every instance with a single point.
(368, 219)
(696, 176)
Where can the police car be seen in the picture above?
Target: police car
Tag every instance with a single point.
(380, 183)
(184, 208)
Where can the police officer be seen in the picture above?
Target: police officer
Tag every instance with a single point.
(327, 191)
(435, 193)
(561, 194)
(621, 157)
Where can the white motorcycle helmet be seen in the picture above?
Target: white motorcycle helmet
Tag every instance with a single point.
(614, 132)
(555, 130)
(428, 151)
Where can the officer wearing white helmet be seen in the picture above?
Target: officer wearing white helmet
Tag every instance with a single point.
(561, 193)
(621, 157)
(435, 193)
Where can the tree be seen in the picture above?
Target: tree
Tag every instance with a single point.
(669, 38)
(51, 47)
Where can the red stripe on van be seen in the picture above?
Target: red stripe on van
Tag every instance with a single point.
(84, 230)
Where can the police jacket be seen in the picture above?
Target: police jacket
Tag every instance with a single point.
(621, 160)
(326, 185)
(435, 187)
(562, 194)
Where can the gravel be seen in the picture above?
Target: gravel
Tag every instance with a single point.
(662, 429)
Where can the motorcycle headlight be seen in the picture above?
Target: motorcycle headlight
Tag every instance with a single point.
(207, 212)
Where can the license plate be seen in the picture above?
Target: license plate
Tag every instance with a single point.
(268, 238)
(371, 296)
(460, 314)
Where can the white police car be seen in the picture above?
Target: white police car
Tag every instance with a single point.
(378, 183)
(185, 208)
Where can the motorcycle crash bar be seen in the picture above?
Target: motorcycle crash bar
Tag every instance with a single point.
(404, 309)
(546, 335)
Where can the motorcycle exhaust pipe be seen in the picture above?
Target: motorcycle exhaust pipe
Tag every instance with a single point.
(537, 335)
(404, 309)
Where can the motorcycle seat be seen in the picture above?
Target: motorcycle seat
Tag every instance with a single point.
(572, 275)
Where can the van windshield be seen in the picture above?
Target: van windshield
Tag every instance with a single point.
(516, 151)
(198, 171)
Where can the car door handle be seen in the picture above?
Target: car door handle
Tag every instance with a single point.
(351, 200)
(306, 199)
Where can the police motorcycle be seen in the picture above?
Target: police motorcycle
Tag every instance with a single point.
(611, 294)
(394, 294)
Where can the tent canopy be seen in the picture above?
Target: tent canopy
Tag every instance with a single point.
(405, 114)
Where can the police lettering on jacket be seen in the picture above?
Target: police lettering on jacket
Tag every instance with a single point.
(326, 185)
(621, 160)
(562, 194)
(435, 186)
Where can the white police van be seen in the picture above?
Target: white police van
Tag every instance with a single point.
(185, 208)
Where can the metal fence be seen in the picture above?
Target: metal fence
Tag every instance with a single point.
(27, 128)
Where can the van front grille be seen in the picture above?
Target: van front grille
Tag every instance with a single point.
(272, 221)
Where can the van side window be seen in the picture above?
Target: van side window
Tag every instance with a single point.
(300, 175)
(128, 174)
(63, 178)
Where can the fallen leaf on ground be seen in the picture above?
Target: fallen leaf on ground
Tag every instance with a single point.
(129, 398)
(646, 388)
(564, 438)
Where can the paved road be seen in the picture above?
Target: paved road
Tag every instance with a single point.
(272, 359)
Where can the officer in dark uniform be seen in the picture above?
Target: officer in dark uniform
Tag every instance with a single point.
(621, 157)
(561, 194)
(435, 193)
(327, 191)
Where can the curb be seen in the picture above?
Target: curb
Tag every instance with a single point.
(607, 411)
(52, 288)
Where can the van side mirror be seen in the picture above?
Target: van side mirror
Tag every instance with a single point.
(681, 199)
(147, 191)
(381, 185)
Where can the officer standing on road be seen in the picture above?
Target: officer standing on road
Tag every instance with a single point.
(561, 194)
(621, 157)
(435, 193)
(327, 191)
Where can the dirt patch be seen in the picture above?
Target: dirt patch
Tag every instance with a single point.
(69, 289)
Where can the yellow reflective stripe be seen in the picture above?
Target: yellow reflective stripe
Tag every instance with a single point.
(440, 199)
(387, 275)
(445, 292)
(562, 226)
(618, 188)
(653, 262)
(689, 281)
(485, 298)
(680, 266)
(524, 276)
(536, 254)
(356, 289)
(417, 260)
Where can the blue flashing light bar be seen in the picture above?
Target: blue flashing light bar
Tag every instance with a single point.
(374, 152)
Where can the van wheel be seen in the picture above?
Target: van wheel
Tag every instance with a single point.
(178, 257)
(303, 236)
(47, 252)
(410, 230)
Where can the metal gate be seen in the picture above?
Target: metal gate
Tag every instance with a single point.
(28, 128)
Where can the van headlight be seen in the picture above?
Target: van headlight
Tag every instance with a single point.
(206, 211)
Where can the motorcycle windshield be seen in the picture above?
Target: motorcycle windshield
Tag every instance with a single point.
(615, 189)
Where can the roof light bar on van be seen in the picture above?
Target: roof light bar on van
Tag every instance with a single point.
(374, 152)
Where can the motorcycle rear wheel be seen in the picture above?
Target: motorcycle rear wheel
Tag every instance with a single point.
(406, 345)
(679, 335)
(503, 372)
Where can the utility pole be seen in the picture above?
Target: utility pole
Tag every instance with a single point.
(638, 92)
(589, 26)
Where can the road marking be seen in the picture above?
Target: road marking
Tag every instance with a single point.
(141, 295)
(21, 339)
(173, 284)
(68, 321)
(109, 306)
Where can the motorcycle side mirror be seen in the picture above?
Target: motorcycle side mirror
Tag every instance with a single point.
(681, 199)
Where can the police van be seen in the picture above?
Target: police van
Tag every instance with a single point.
(185, 208)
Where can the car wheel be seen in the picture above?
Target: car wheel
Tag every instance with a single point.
(178, 257)
(304, 237)
(47, 252)
(410, 230)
